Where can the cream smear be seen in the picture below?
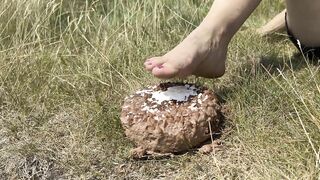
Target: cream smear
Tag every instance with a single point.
(178, 93)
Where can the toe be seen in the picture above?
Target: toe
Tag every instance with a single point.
(154, 62)
(164, 71)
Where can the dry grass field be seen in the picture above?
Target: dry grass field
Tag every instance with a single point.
(66, 66)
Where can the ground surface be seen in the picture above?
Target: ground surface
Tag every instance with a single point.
(65, 67)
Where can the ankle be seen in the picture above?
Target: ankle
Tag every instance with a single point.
(218, 34)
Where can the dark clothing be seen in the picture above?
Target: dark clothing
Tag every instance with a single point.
(309, 52)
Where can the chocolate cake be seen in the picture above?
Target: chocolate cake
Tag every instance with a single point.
(170, 118)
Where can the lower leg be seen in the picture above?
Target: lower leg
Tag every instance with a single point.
(304, 21)
(275, 25)
(203, 52)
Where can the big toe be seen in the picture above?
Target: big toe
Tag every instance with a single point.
(164, 71)
(151, 63)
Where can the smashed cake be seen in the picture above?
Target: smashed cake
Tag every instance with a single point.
(170, 118)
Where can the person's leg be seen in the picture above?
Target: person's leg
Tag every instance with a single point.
(203, 52)
(303, 18)
(275, 25)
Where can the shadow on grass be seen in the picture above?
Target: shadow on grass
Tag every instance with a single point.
(273, 64)
(265, 65)
(251, 76)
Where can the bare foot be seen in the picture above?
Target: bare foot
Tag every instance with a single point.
(200, 54)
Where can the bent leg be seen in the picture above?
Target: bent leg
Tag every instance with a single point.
(275, 25)
(203, 52)
(303, 18)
